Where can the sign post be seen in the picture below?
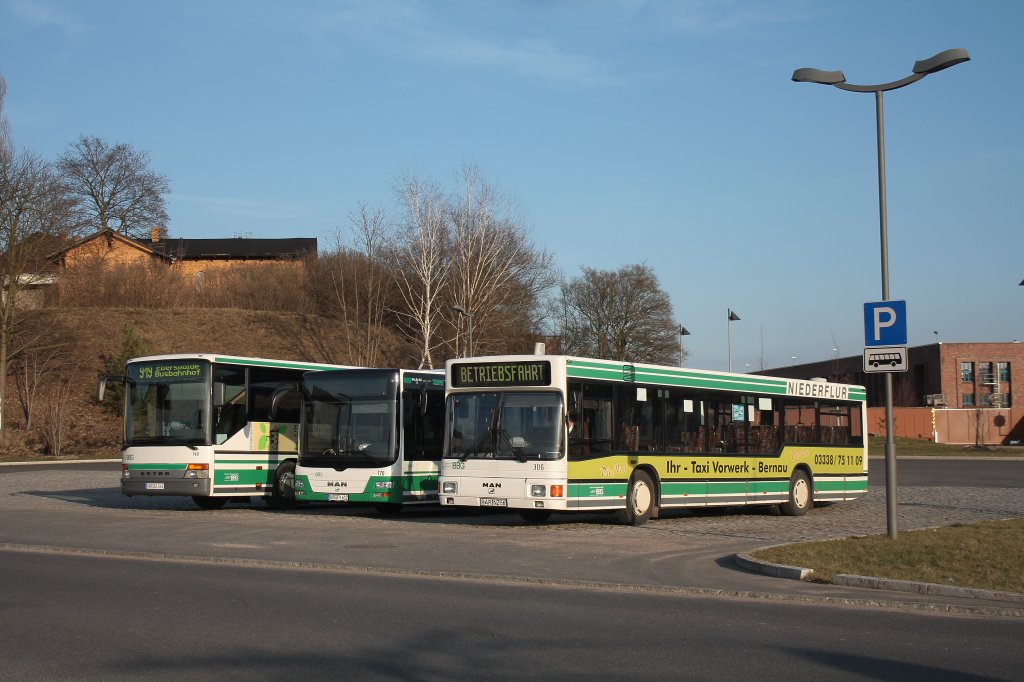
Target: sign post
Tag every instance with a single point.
(885, 338)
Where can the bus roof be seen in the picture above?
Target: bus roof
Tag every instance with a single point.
(240, 360)
(627, 372)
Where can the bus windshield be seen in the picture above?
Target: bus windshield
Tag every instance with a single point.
(520, 426)
(350, 419)
(168, 403)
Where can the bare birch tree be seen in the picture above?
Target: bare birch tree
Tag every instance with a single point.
(420, 266)
(497, 275)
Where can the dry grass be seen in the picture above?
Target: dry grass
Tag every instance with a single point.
(987, 555)
(916, 447)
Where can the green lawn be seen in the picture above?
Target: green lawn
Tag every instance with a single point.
(987, 555)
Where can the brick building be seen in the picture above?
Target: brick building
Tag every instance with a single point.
(950, 375)
(192, 256)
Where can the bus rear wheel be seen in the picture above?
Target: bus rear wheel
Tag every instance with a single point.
(801, 495)
(640, 500)
(282, 496)
(209, 502)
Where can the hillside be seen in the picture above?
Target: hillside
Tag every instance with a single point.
(85, 337)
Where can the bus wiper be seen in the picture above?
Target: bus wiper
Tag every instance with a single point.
(517, 452)
(479, 443)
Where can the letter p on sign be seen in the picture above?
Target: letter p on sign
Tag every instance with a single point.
(885, 323)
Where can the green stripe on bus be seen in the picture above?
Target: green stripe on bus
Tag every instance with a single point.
(727, 487)
(674, 488)
(768, 487)
(148, 467)
(597, 490)
(271, 363)
(581, 369)
(243, 476)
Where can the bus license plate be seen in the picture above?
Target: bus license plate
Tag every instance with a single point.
(334, 497)
(154, 486)
(493, 502)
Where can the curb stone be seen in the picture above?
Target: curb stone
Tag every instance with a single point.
(749, 563)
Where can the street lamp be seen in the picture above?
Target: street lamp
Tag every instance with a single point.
(682, 332)
(733, 317)
(942, 60)
(469, 323)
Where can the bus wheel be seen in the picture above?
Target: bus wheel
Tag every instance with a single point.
(210, 502)
(640, 498)
(535, 515)
(283, 494)
(801, 497)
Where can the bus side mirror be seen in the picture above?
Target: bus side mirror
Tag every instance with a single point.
(219, 392)
(101, 389)
(279, 393)
(422, 401)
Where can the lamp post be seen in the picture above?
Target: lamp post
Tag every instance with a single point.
(942, 60)
(682, 332)
(469, 323)
(733, 317)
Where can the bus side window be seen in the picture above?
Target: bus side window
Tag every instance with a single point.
(229, 417)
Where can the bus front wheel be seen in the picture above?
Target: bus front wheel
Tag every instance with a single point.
(801, 495)
(640, 500)
(210, 502)
(282, 496)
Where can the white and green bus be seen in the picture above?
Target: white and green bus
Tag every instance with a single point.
(371, 436)
(540, 434)
(197, 425)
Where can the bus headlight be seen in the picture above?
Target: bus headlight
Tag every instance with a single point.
(450, 488)
(538, 490)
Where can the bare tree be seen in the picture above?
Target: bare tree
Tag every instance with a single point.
(496, 273)
(351, 285)
(115, 187)
(6, 149)
(30, 370)
(56, 429)
(617, 315)
(34, 214)
(420, 265)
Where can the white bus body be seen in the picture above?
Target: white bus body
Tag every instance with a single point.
(196, 425)
(371, 436)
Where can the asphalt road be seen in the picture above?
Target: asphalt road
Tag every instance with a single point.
(88, 617)
(95, 585)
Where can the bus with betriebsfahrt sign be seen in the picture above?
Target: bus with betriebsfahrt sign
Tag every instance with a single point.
(539, 434)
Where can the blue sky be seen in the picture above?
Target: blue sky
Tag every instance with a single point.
(665, 133)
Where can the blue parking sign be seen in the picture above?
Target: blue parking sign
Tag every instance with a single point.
(885, 323)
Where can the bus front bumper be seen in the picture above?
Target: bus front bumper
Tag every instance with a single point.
(195, 487)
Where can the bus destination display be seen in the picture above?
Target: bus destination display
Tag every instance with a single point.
(491, 374)
(167, 371)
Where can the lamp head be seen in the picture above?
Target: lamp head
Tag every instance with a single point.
(942, 60)
(818, 76)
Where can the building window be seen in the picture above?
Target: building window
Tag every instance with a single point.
(967, 372)
(1004, 372)
(985, 374)
(967, 400)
